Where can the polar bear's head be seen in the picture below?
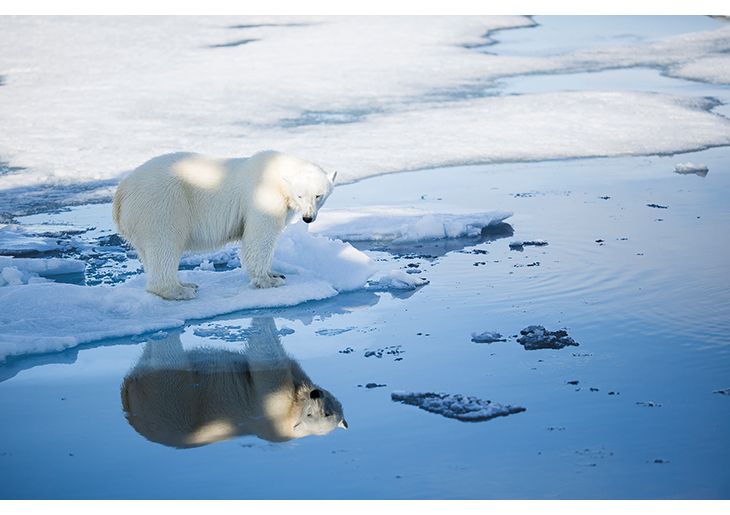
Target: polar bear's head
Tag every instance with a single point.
(310, 187)
(321, 413)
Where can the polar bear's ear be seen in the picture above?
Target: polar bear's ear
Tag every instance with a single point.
(332, 176)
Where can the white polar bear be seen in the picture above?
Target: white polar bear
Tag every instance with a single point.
(190, 202)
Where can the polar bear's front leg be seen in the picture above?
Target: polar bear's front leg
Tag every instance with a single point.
(257, 252)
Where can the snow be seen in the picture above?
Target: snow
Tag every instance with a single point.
(460, 407)
(105, 94)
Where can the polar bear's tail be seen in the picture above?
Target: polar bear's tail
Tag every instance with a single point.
(117, 208)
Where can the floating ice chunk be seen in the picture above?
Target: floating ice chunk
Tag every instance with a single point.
(20, 240)
(19, 271)
(487, 337)
(206, 265)
(12, 276)
(537, 337)
(401, 224)
(688, 168)
(398, 280)
(460, 407)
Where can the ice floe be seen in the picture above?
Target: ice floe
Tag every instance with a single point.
(38, 317)
(18, 271)
(460, 407)
(402, 224)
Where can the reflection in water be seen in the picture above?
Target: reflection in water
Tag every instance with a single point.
(191, 398)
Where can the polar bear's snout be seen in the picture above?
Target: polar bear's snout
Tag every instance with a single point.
(309, 190)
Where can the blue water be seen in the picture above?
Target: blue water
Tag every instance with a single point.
(630, 413)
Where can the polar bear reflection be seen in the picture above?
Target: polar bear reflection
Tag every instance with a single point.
(198, 397)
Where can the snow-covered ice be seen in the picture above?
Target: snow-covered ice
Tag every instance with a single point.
(43, 316)
(317, 265)
(460, 407)
(105, 94)
(401, 224)
(17, 271)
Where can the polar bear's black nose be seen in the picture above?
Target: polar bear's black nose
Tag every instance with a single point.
(307, 219)
(315, 394)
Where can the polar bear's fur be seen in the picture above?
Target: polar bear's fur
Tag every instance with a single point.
(190, 202)
(188, 398)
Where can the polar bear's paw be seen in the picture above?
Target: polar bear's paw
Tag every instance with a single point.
(183, 291)
(270, 280)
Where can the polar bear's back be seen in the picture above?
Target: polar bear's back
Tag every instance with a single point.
(200, 198)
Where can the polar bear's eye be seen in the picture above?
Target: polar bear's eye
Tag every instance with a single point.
(318, 197)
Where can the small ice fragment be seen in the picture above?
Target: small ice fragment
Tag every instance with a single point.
(688, 168)
(460, 407)
(487, 337)
(534, 243)
(398, 280)
(537, 337)
(206, 265)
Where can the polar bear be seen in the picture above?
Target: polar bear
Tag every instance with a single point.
(191, 202)
(189, 398)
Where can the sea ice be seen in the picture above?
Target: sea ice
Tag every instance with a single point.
(460, 407)
(397, 280)
(401, 224)
(537, 337)
(354, 124)
(50, 316)
(18, 271)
